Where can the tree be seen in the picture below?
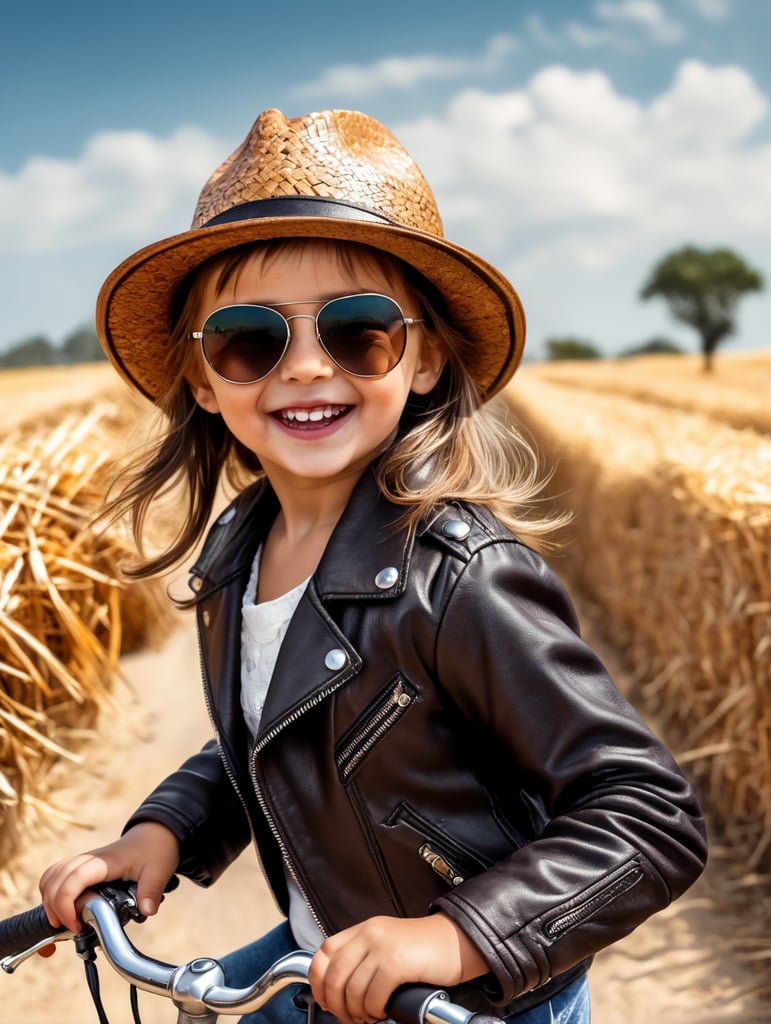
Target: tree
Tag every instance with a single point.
(571, 348)
(702, 288)
(653, 347)
(34, 351)
(82, 346)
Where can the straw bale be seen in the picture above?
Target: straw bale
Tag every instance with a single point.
(65, 614)
(671, 541)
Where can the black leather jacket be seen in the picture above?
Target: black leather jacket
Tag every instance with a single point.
(436, 736)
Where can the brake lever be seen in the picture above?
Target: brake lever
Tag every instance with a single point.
(9, 963)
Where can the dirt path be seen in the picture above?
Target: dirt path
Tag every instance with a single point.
(669, 972)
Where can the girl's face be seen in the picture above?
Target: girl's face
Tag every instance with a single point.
(310, 422)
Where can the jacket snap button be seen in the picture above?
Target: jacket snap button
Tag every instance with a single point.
(456, 529)
(335, 659)
(386, 578)
(206, 617)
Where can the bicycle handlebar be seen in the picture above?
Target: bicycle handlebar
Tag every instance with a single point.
(198, 987)
(30, 928)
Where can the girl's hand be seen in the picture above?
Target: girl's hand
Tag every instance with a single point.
(147, 854)
(354, 973)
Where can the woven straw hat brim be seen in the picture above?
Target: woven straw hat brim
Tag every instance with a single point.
(133, 314)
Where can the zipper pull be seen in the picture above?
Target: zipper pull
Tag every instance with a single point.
(440, 865)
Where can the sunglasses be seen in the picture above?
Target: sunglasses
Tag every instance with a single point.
(364, 334)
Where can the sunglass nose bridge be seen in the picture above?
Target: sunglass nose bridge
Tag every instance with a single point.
(301, 316)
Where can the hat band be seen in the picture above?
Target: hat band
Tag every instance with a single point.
(296, 206)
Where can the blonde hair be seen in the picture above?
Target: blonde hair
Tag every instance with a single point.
(450, 447)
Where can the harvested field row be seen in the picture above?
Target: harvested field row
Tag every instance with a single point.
(672, 542)
(735, 393)
(34, 395)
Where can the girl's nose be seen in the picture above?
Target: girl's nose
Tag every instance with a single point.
(305, 359)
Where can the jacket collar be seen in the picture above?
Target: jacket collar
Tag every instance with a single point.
(369, 551)
(367, 556)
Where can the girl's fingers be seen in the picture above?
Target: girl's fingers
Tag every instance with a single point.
(332, 968)
(63, 888)
(147, 854)
(150, 885)
(354, 972)
(349, 980)
(356, 993)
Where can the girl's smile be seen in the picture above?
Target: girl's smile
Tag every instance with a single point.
(313, 418)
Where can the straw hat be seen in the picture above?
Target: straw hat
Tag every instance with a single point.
(335, 175)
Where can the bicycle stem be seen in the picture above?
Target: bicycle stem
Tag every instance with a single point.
(191, 983)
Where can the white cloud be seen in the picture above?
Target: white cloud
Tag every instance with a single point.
(707, 109)
(569, 148)
(714, 10)
(644, 14)
(624, 24)
(588, 37)
(362, 80)
(124, 187)
(540, 33)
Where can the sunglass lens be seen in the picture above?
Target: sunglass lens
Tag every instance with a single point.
(244, 343)
(364, 334)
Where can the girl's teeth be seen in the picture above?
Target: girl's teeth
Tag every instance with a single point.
(314, 415)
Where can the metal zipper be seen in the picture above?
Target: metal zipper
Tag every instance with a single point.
(440, 865)
(594, 903)
(354, 752)
(277, 728)
(284, 853)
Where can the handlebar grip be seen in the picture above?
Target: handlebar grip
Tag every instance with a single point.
(25, 930)
(407, 1002)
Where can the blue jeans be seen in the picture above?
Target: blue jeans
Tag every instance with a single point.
(246, 965)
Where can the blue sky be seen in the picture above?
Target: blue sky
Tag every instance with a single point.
(571, 143)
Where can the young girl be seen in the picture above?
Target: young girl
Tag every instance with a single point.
(441, 781)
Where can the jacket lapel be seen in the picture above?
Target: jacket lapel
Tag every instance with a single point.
(366, 559)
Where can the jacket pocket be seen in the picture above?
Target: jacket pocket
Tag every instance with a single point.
(372, 725)
(446, 857)
(593, 902)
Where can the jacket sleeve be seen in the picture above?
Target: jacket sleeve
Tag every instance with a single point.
(622, 833)
(200, 806)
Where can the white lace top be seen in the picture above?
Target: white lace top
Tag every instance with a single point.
(263, 627)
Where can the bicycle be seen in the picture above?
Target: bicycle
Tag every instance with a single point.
(196, 988)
